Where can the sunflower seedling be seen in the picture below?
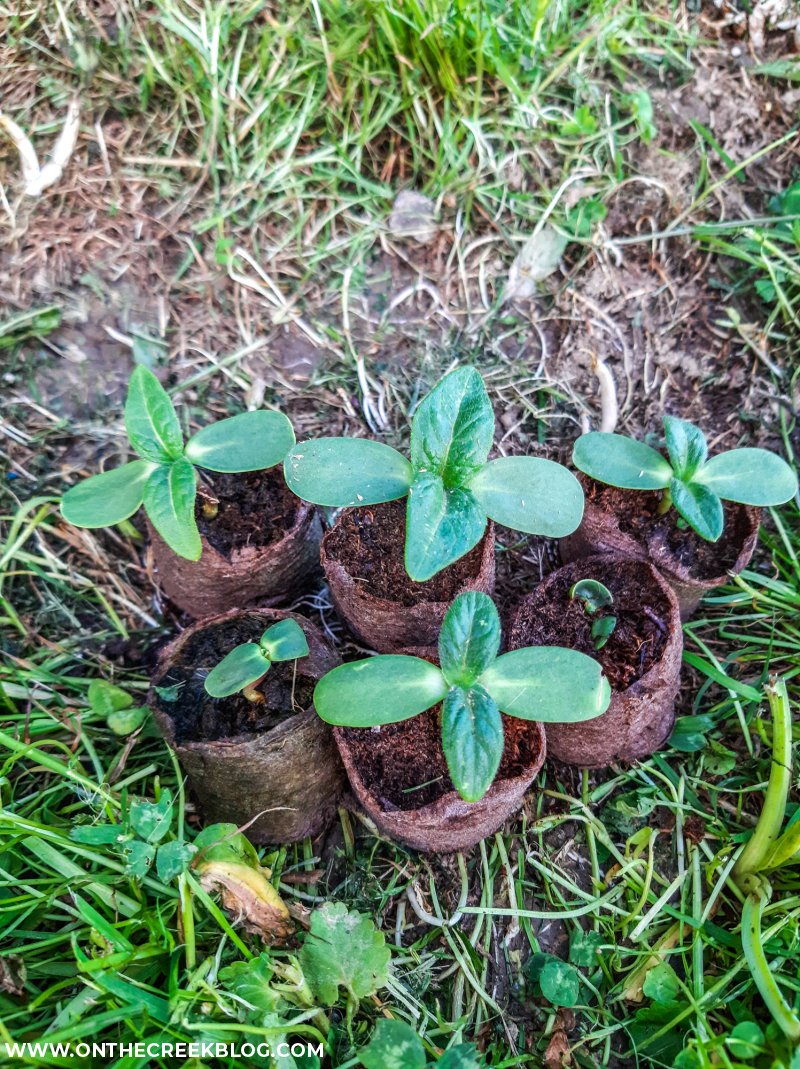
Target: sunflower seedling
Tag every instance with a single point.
(594, 596)
(164, 479)
(247, 664)
(474, 685)
(451, 486)
(693, 482)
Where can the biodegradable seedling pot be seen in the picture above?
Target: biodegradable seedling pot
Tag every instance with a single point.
(398, 774)
(641, 659)
(362, 556)
(628, 522)
(262, 545)
(244, 760)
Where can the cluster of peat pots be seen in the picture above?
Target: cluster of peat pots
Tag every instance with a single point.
(438, 733)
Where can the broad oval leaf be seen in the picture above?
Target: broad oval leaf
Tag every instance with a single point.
(686, 445)
(378, 690)
(150, 418)
(251, 441)
(749, 476)
(339, 472)
(109, 498)
(472, 740)
(242, 667)
(700, 507)
(548, 683)
(593, 594)
(441, 526)
(530, 494)
(453, 428)
(169, 502)
(621, 461)
(469, 638)
(284, 641)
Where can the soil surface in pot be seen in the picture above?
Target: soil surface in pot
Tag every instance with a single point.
(369, 541)
(637, 515)
(637, 641)
(198, 717)
(404, 767)
(256, 508)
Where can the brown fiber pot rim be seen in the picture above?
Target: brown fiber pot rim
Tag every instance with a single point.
(336, 571)
(318, 651)
(426, 829)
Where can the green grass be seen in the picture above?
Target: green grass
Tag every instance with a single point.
(271, 141)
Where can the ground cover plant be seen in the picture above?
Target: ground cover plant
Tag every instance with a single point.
(451, 486)
(601, 222)
(248, 663)
(473, 684)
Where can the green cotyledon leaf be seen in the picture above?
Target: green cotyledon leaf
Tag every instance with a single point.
(529, 494)
(453, 428)
(378, 690)
(621, 461)
(284, 641)
(342, 472)
(150, 419)
(749, 476)
(243, 666)
(109, 498)
(548, 683)
(251, 441)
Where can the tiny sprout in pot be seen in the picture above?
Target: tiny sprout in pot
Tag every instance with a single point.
(474, 685)
(247, 664)
(594, 597)
(451, 487)
(165, 482)
(695, 518)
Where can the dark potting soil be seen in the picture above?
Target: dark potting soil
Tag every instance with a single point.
(638, 516)
(256, 508)
(369, 541)
(199, 717)
(636, 642)
(404, 767)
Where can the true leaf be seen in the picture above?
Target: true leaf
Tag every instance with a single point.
(138, 858)
(749, 476)
(462, 1056)
(548, 683)
(441, 526)
(469, 638)
(251, 982)
(173, 858)
(339, 472)
(560, 983)
(109, 498)
(686, 445)
(150, 418)
(453, 428)
(97, 834)
(284, 641)
(344, 949)
(394, 1045)
(584, 946)
(224, 842)
(104, 698)
(746, 1040)
(661, 984)
(621, 461)
(243, 666)
(151, 820)
(126, 721)
(169, 498)
(472, 740)
(378, 690)
(529, 494)
(252, 441)
(700, 507)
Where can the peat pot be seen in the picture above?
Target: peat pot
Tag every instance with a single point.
(628, 522)
(362, 556)
(274, 760)
(398, 774)
(260, 543)
(641, 659)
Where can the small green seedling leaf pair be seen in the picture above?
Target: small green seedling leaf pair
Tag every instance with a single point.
(164, 480)
(545, 683)
(594, 596)
(247, 664)
(451, 489)
(693, 482)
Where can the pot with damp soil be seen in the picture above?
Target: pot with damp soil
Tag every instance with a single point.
(440, 745)
(253, 749)
(620, 611)
(417, 532)
(694, 517)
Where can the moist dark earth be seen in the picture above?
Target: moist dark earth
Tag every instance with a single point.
(199, 717)
(254, 509)
(369, 542)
